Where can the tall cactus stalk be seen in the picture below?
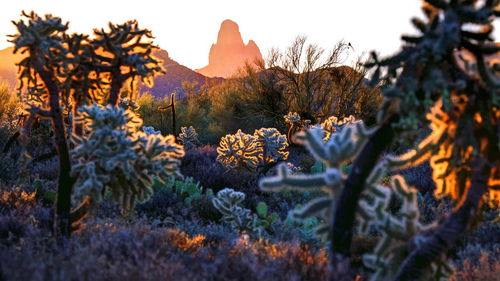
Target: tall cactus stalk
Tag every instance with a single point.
(172, 112)
(65, 184)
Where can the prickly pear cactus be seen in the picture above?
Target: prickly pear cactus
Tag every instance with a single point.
(188, 137)
(115, 156)
(227, 202)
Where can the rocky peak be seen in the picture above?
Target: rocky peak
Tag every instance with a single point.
(230, 52)
(229, 34)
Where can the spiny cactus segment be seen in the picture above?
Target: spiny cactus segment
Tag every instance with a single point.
(228, 202)
(188, 137)
(335, 152)
(247, 151)
(117, 157)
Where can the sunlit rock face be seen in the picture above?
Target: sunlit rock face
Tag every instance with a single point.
(229, 53)
(8, 68)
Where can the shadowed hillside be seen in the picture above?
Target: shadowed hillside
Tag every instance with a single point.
(164, 84)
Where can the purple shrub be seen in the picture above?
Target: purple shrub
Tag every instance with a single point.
(111, 250)
(11, 230)
(201, 164)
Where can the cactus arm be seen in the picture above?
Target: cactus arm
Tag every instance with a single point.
(314, 207)
(344, 213)
(332, 178)
(449, 232)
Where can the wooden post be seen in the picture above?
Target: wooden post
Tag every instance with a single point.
(172, 107)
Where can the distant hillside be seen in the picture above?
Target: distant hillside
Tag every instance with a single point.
(8, 69)
(164, 84)
(176, 74)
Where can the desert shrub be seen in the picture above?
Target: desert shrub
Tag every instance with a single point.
(194, 109)
(486, 267)
(10, 108)
(151, 116)
(162, 205)
(15, 198)
(114, 250)
(201, 164)
(11, 230)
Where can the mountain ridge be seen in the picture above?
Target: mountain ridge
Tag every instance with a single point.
(164, 85)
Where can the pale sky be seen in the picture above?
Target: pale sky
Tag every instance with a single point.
(187, 28)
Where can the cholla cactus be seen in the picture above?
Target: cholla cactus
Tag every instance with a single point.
(397, 229)
(242, 150)
(150, 130)
(449, 166)
(340, 148)
(129, 104)
(296, 125)
(372, 208)
(188, 137)
(334, 124)
(294, 170)
(271, 145)
(227, 203)
(127, 54)
(293, 118)
(118, 157)
(238, 150)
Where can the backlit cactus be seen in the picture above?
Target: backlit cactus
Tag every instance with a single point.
(396, 228)
(238, 150)
(335, 152)
(60, 72)
(292, 118)
(333, 124)
(115, 156)
(188, 137)
(373, 211)
(228, 202)
(449, 165)
(271, 144)
(149, 130)
(264, 147)
(296, 124)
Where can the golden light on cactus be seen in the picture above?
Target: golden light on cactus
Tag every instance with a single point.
(241, 150)
(449, 170)
(494, 185)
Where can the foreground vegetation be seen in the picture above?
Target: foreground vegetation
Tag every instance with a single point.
(123, 199)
